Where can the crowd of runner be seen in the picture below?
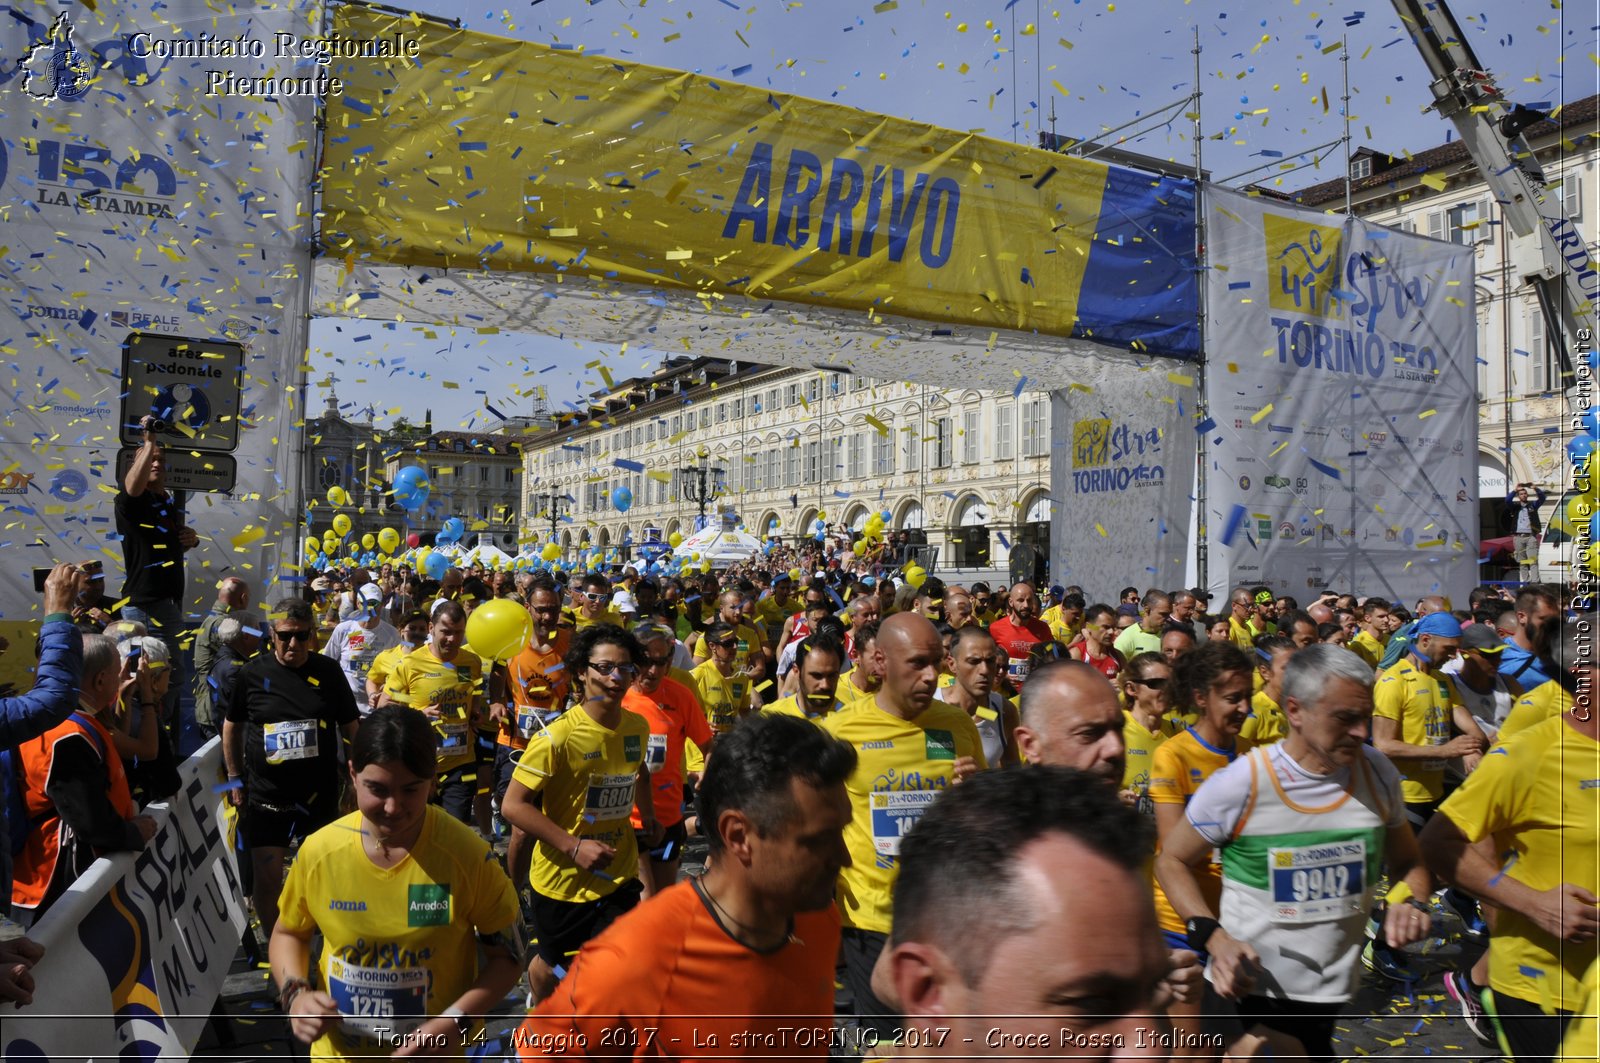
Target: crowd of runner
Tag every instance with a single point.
(971, 819)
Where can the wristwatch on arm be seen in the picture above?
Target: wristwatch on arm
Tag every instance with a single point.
(1198, 930)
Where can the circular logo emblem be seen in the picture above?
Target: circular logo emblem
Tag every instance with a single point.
(1244, 483)
(69, 485)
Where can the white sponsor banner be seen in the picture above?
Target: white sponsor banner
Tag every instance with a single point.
(137, 949)
(143, 197)
(1122, 478)
(1342, 362)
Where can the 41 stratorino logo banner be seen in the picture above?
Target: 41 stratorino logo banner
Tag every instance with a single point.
(1343, 368)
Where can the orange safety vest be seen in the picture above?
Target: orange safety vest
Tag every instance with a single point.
(36, 865)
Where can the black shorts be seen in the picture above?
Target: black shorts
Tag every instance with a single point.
(505, 765)
(1418, 813)
(456, 789)
(1526, 1032)
(563, 926)
(1311, 1024)
(671, 847)
(483, 752)
(272, 826)
(858, 954)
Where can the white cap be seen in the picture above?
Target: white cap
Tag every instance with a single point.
(370, 592)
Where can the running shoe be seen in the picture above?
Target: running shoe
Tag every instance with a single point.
(1459, 988)
(1388, 963)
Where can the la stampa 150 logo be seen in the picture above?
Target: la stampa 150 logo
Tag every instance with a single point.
(57, 69)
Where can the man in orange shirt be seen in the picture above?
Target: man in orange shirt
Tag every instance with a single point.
(740, 960)
(538, 694)
(674, 714)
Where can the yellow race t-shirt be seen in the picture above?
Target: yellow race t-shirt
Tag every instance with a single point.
(1538, 795)
(1265, 724)
(1241, 635)
(1178, 767)
(397, 941)
(1536, 706)
(609, 616)
(749, 643)
(849, 693)
(1367, 648)
(790, 706)
(1142, 744)
(423, 681)
(725, 698)
(1421, 703)
(902, 766)
(587, 776)
(384, 664)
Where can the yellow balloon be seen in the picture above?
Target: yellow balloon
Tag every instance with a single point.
(705, 566)
(551, 552)
(1593, 559)
(313, 548)
(354, 548)
(336, 495)
(499, 629)
(675, 540)
(859, 548)
(389, 539)
(369, 541)
(916, 576)
(341, 524)
(794, 574)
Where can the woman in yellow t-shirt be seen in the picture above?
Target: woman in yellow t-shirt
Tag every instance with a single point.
(1144, 683)
(1265, 724)
(404, 897)
(1215, 679)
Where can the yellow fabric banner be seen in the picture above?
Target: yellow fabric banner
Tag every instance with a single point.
(486, 153)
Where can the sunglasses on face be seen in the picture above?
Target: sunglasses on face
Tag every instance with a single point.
(1154, 683)
(607, 667)
(726, 644)
(652, 661)
(593, 597)
(297, 635)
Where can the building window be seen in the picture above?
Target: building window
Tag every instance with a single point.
(910, 449)
(813, 388)
(791, 464)
(1005, 432)
(774, 462)
(1544, 364)
(855, 451)
(859, 383)
(1035, 428)
(1360, 168)
(677, 423)
(942, 443)
(811, 463)
(1568, 191)
(705, 417)
(971, 437)
(883, 453)
(722, 412)
(1464, 223)
(738, 409)
(832, 450)
(511, 477)
(791, 394)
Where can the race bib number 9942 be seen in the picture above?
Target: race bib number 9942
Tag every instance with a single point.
(1316, 883)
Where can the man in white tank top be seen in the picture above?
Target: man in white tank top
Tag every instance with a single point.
(1475, 676)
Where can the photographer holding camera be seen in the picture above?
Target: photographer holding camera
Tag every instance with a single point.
(154, 538)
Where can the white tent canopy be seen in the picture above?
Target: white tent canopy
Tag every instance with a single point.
(723, 548)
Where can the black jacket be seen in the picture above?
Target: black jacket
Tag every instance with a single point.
(1513, 507)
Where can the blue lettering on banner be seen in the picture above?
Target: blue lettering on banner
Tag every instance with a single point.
(1310, 344)
(907, 199)
(1092, 481)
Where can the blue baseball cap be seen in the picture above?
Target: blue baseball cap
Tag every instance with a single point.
(1441, 624)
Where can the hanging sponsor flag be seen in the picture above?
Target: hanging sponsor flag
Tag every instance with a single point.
(1122, 476)
(1342, 380)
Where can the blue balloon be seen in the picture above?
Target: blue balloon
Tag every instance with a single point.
(453, 530)
(886, 515)
(411, 488)
(622, 499)
(1591, 421)
(434, 566)
(1579, 448)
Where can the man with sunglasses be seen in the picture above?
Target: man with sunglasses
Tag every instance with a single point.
(592, 603)
(280, 741)
(723, 690)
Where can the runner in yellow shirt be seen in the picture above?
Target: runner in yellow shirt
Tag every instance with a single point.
(816, 663)
(413, 633)
(406, 899)
(863, 680)
(1369, 642)
(722, 687)
(1144, 683)
(1265, 724)
(443, 680)
(573, 792)
(1412, 713)
(592, 603)
(911, 747)
(1535, 798)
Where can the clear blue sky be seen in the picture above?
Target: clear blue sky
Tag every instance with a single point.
(1270, 89)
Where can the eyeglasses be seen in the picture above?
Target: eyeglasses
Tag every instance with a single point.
(593, 597)
(607, 667)
(652, 661)
(726, 644)
(297, 635)
(1154, 683)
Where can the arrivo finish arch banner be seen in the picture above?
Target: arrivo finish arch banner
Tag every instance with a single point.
(156, 258)
(1341, 377)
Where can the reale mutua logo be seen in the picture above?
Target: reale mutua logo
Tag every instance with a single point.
(56, 69)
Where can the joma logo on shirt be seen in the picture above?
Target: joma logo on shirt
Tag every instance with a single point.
(428, 904)
(347, 906)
